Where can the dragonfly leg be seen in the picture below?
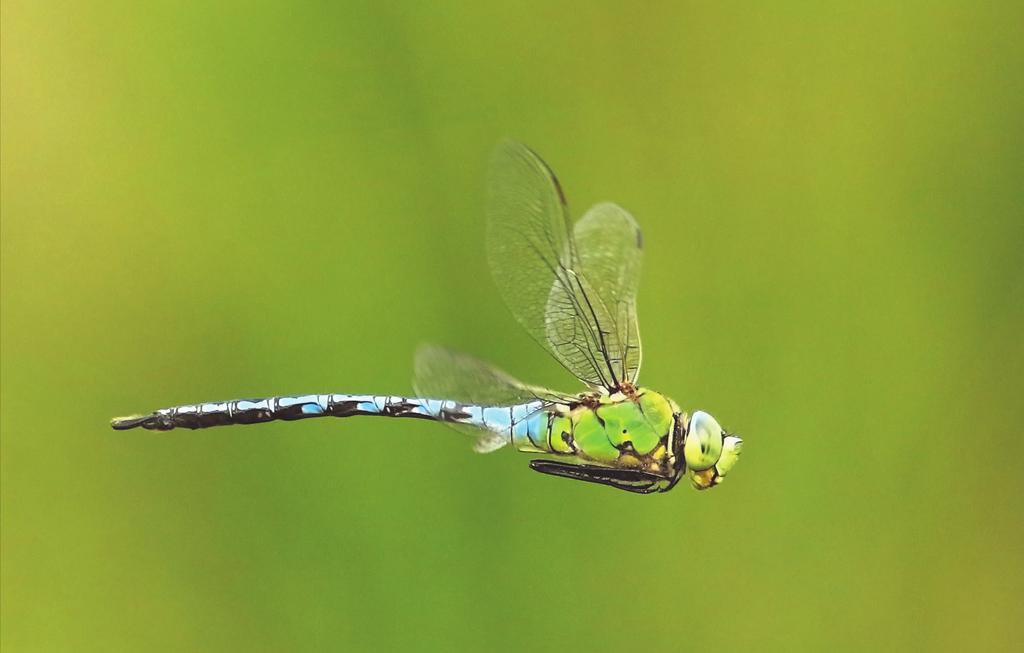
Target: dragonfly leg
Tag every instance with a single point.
(629, 480)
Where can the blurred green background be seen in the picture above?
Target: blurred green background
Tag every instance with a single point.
(206, 202)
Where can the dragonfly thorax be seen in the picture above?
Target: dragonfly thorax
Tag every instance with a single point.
(636, 431)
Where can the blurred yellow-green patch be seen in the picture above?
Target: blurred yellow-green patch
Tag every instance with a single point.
(205, 201)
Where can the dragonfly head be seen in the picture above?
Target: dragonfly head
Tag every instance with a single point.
(710, 453)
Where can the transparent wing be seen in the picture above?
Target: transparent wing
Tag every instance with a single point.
(441, 373)
(444, 374)
(573, 290)
(609, 248)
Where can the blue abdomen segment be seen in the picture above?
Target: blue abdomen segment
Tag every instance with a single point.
(530, 427)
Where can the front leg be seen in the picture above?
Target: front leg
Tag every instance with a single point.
(630, 480)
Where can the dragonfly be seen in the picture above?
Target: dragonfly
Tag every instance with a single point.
(573, 287)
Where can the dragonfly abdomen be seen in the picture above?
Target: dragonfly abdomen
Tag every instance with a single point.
(250, 411)
(524, 419)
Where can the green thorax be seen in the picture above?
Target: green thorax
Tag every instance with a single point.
(630, 432)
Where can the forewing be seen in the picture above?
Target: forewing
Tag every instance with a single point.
(573, 290)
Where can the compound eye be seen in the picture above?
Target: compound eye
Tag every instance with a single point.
(703, 446)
